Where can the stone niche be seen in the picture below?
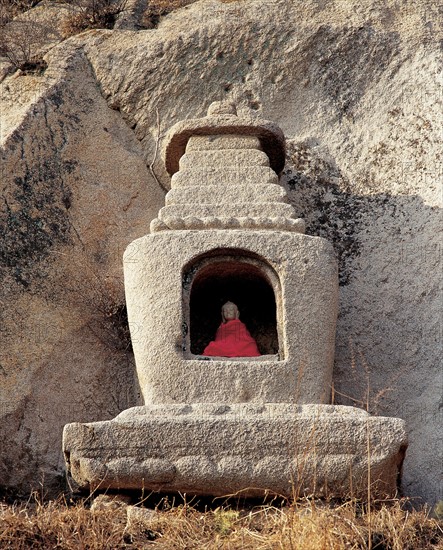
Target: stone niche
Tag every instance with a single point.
(217, 425)
(239, 276)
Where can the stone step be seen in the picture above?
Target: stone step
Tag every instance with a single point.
(217, 142)
(220, 448)
(224, 158)
(219, 194)
(211, 175)
(296, 225)
(243, 210)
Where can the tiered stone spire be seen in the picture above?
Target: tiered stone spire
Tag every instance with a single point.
(225, 175)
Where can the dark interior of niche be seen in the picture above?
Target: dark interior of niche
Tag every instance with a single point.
(246, 286)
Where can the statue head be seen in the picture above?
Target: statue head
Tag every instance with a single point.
(229, 312)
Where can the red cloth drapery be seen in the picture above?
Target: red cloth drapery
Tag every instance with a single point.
(232, 340)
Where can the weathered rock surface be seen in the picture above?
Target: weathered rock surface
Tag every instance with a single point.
(68, 214)
(289, 450)
(357, 91)
(269, 135)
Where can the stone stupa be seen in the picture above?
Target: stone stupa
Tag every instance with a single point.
(238, 425)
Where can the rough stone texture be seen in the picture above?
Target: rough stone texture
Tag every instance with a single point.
(204, 158)
(240, 210)
(270, 136)
(238, 175)
(206, 143)
(226, 194)
(305, 287)
(67, 215)
(110, 502)
(228, 222)
(220, 159)
(356, 90)
(288, 450)
(140, 519)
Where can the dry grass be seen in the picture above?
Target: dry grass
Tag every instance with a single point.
(308, 525)
(92, 14)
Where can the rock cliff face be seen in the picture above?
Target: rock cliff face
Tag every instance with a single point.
(356, 91)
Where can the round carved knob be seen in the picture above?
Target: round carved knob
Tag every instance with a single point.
(222, 108)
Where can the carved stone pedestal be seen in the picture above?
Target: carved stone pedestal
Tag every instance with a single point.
(217, 449)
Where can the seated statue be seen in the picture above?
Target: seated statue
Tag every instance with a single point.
(232, 338)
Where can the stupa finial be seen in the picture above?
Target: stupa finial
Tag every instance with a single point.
(222, 108)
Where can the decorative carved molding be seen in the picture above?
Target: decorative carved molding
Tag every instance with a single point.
(191, 222)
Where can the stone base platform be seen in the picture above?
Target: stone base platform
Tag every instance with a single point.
(247, 448)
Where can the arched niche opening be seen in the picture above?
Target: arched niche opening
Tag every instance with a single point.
(237, 276)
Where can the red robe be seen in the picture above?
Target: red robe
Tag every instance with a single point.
(232, 340)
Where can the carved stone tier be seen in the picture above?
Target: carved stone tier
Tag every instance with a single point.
(222, 120)
(191, 222)
(227, 176)
(223, 175)
(249, 449)
(268, 193)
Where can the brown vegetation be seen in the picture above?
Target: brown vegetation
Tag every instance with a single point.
(93, 14)
(157, 8)
(20, 39)
(11, 8)
(19, 43)
(306, 525)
